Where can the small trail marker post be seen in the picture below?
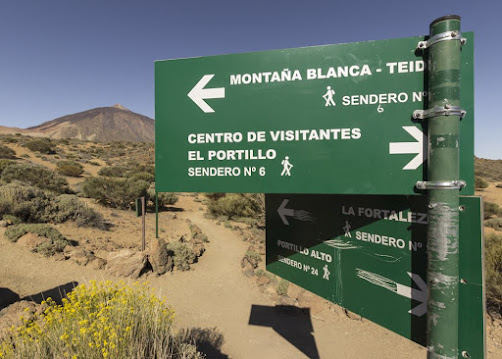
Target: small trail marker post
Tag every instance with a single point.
(141, 211)
(156, 214)
(143, 241)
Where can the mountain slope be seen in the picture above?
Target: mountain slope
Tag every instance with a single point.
(102, 124)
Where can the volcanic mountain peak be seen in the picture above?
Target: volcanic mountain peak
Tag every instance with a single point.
(102, 124)
(119, 106)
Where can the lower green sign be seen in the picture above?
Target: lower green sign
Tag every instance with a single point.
(368, 254)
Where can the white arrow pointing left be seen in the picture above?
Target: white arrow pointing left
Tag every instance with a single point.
(198, 94)
(411, 147)
(283, 212)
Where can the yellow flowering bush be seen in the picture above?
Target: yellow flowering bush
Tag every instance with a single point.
(100, 320)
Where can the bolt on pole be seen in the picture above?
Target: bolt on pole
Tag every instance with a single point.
(443, 76)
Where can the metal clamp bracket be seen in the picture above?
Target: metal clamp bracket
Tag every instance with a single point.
(447, 110)
(443, 36)
(424, 185)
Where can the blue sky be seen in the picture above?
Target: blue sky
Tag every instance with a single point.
(66, 56)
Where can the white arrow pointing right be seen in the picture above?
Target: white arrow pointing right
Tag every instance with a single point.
(411, 147)
(419, 295)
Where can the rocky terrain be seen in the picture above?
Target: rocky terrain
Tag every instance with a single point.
(210, 267)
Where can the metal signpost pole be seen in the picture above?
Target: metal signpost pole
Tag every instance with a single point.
(443, 116)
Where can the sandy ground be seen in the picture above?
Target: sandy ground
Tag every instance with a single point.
(492, 193)
(215, 294)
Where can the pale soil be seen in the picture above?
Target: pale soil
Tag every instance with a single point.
(215, 293)
(20, 150)
(491, 193)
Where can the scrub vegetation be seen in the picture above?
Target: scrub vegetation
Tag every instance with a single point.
(101, 320)
(235, 205)
(55, 241)
(493, 265)
(33, 205)
(70, 168)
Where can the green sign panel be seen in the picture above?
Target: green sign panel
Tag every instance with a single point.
(324, 119)
(368, 254)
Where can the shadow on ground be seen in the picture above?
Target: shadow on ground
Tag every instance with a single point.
(8, 297)
(292, 323)
(207, 340)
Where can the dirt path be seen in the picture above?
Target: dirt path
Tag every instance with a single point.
(215, 294)
(222, 297)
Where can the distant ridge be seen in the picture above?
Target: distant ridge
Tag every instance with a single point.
(102, 124)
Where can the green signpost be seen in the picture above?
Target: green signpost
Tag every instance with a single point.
(324, 119)
(388, 119)
(368, 254)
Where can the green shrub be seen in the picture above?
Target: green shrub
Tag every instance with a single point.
(145, 176)
(27, 203)
(134, 167)
(282, 287)
(114, 171)
(165, 198)
(33, 205)
(38, 176)
(56, 242)
(491, 209)
(10, 140)
(70, 168)
(253, 256)
(493, 265)
(116, 193)
(101, 320)
(214, 195)
(7, 152)
(42, 145)
(480, 182)
(4, 163)
(262, 273)
(182, 255)
(237, 205)
(495, 223)
(63, 141)
(12, 219)
(68, 207)
(94, 163)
